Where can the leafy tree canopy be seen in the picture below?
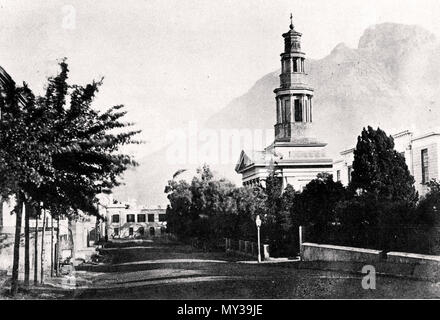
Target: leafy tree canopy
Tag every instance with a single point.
(379, 169)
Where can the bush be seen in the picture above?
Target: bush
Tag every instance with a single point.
(365, 221)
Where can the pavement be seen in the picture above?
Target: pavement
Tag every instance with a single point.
(156, 270)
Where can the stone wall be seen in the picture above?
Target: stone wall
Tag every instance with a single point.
(7, 252)
(402, 264)
(323, 252)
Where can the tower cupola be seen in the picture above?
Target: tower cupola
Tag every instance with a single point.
(294, 96)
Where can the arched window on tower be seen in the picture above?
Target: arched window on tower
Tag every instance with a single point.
(295, 65)
(298, 111)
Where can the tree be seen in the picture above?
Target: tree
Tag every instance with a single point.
(58, 154)
(20, 156)
(315, 207)
(250, 202)
(210, 208)
(86, 160)
(271, 229)
(381, 207)
(379, 169)
(179, 210)
(428, 208)
(316, 203)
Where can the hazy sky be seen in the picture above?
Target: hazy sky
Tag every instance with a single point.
(168, 61)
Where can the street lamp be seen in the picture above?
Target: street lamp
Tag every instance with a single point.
(258, 223)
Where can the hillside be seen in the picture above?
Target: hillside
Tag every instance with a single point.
(390, 80)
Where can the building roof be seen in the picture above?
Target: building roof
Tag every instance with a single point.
(399, 135)
(251, 158)
(6, 83)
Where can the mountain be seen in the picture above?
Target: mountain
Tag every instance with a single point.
(390, 80)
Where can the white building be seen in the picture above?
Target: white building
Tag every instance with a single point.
(420, 152)
(125, 221)
(296, 154)
(76, 238)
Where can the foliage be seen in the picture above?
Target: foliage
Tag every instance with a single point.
(377, 210)
(316, 203)
(381, 170)
(428, 209)
(68, 151)
(57, 150)
(277, 228)
(211, 209)
(366, 221)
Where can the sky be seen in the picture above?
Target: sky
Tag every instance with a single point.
(170, 61)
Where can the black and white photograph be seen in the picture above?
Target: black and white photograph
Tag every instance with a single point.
(235, 151)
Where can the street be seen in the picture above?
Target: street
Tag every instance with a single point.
(160, 270)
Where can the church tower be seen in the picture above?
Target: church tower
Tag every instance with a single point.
(296, 155)
(294, 96)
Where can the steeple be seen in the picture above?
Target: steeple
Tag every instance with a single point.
(296, 154)
(294, 96)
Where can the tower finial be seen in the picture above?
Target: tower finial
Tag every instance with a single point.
(291, 21)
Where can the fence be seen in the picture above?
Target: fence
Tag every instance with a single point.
(248, 248)
(413, 239)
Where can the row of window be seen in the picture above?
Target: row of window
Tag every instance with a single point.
(140, 218)
(294, 65)
(141, 231)
(298, 111)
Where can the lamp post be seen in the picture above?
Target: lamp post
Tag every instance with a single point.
(258, 223)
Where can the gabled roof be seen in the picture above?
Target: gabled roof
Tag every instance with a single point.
(243, 162)
(248, 159)
(6, 83)
(5, 78)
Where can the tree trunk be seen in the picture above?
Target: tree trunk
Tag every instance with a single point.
(72, 238)
(37, 216)
(42, 248)
(97, 233)
(16, 261)
(57, 255)
(26, 245)
(51, 245)
(1, 212)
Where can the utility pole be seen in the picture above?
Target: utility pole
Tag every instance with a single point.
(258, 223)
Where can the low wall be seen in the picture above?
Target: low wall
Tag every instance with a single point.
(424, 266)
(248, 248)
(404, 257)
(324, 252)
(7, 252)
(402, 264)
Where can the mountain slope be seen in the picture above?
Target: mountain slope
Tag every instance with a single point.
(390, 80)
